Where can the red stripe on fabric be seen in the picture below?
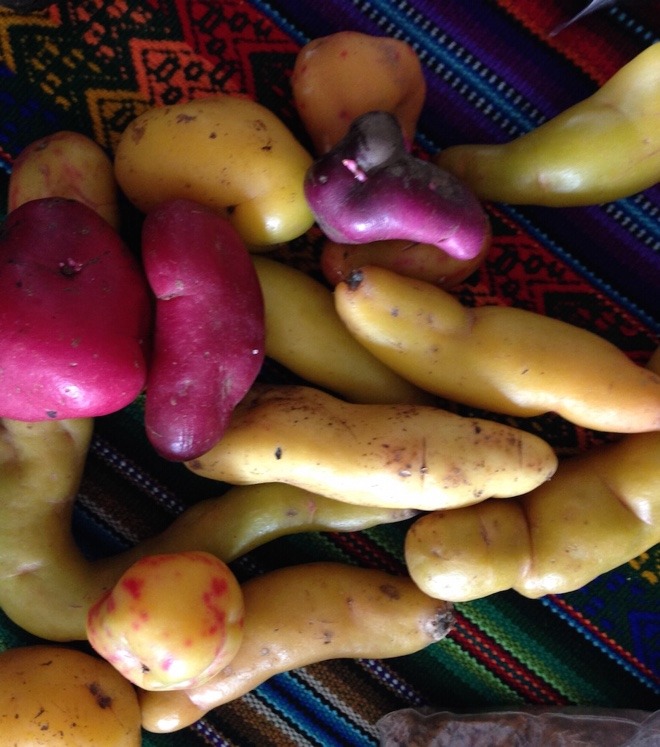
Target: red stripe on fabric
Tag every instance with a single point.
(367, 552)
(466, 634)
(610, 643)
(511, 671)
(583, 43)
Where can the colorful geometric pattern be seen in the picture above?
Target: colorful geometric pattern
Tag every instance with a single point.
(494, 72)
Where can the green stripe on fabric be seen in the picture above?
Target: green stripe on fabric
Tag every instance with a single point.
(458, 679)
(529, 645)
(552, 644)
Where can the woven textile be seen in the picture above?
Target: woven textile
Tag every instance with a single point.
(494, 71)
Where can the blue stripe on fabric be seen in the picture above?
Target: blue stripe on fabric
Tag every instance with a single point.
(632, 25)
(438, 52)
(573, 262)
(644, 217)
(316, 702)
(321, 723)
(385, 675)
(527, 116)
(620, 660)
(209, 734)
(283, 23)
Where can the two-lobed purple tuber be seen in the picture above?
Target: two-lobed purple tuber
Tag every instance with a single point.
(369, 187)
(209, 329)
(75, 314)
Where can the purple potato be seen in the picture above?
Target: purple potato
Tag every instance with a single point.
(369, 187)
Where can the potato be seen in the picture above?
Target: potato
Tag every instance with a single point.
(498, 358)
(227, 152)
(603, 148)
(303, 614)
(401, 456)
(338, 77)
(66, 164)
(209, 326)
(410, 258)
(52, 695)
(75, 314)
(172, 620)
(305, 335)
(601, 509)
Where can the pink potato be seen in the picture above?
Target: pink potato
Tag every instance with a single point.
(171, 621)
(209, 335)
(75, 314)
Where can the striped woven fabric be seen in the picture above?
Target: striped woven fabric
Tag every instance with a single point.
(494, 71)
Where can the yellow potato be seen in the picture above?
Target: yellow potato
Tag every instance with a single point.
(468, 553)
(602, 148)
(47, 585)
(601, 509)
(226, 152)
(304, 614)
(51, 695)
(497, 358)
(66, 164)
(401, 456)
(304, 334)
(338, 77)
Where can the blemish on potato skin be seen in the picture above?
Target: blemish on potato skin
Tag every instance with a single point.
(184, 118)
(390, 591)
(103, 700)
(133, 586)
(137, 132)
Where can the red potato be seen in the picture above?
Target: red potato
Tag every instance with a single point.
(209, 329)
(75, 314)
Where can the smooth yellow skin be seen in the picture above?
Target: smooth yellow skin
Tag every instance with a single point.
(401, 456)
(468, 553)
(338, 77)
(304, 334)
(66, 164)
(603, 148)
(172, 620)
(600, 510)
(498, 358)
(47, 586)
(303, 614)
(227, 152)
(52, 695)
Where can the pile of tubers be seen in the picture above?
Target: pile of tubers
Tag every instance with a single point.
(381, 346)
